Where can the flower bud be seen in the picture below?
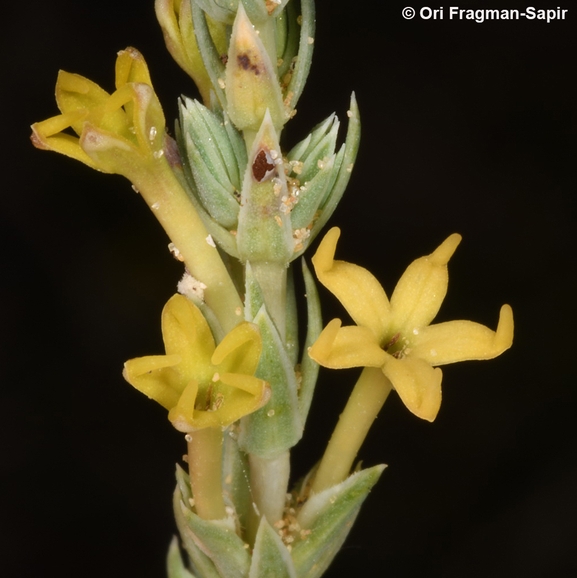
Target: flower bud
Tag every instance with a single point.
(264, 225)
(251, 83)
(175, 18)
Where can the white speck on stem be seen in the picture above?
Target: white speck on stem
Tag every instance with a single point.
(210, 241)
(155, 206)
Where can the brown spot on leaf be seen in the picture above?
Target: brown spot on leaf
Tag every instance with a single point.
(246, 63)
(262, 166)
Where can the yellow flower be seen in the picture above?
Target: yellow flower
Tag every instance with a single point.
(202, 385)
(396, 335)
(116, 133)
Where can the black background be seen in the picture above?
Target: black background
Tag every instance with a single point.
(467, 128)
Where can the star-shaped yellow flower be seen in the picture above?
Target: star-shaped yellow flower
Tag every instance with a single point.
(397, 335)
(116, 133)
(202, 385)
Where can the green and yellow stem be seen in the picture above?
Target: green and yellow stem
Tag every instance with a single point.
(366, 400)
(205, 469)
(175, 212)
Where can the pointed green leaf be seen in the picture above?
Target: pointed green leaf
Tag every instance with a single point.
(311, 195)
(324, 148)
(225, 240)
(201, 563)
(302, 149)
(292, 327)
(253, 297)
(218, 200)
(288, 38)
(219, 541)
(309, 368)
(208, 52)
(350, 154)
(303, 62)
(277, 426)
(235, 477)
(270, 557)
(329, 515)
(175, 567)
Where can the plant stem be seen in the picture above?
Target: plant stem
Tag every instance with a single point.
(269, 482)
(171, 206)
(272, 279)
(205, 469)
(363, 406)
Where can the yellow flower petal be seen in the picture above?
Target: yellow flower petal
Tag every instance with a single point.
(417, 383)
(186, 333)
(156, 377)
(47, 135)
(463, 340)
(181, 414)
(357, 289)
(340, 347)
(131, 67)
(420, 291)
(240, 349)
(74, 92)
(247, 383)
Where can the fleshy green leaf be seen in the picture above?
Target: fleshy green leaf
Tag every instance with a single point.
(303, 62)
(270, 556)
(351, 148)
(309, 368)
(175, 567)
(277, 426)
(201, 563)
(223, 551)
(329, 515)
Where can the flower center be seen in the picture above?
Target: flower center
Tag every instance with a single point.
(397, 346)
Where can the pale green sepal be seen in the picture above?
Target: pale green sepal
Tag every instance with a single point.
(223, 238)
(207, 131)
(303, 61)
(175, 567)
(212, 161)
(238, 146)
(217, 200)
(270, 557)
(277, 426)
(309, 367)
(209, 53)
(324, 148)
(329, 515)
(311, 196)
(292, 327)
(201, 563)
(236, 489)
(226, 148)
(351, 148)
(302, 149)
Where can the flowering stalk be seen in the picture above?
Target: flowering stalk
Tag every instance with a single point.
(239, 210)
